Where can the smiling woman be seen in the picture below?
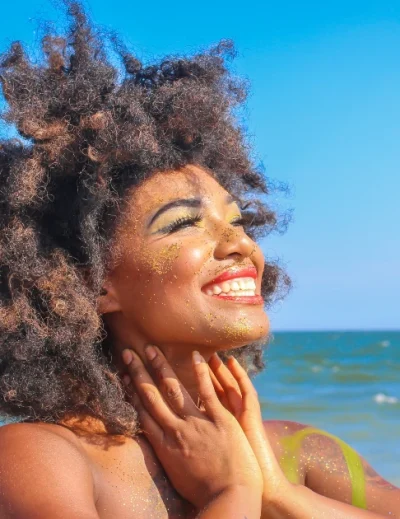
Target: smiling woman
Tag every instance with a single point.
(178, 247)
(128, 218)
(94, 144)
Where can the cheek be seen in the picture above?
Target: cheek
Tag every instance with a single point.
(161, 289)
(159, 263)
(176, 262)
(159, 273)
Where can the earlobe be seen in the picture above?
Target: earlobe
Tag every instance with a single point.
(107, 301)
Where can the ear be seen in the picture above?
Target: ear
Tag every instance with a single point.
(108, 301)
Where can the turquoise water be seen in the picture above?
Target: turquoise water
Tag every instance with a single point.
(346, 383)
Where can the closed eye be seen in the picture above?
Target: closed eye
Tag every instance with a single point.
(187, 221)
(181, 223)
(238, 221)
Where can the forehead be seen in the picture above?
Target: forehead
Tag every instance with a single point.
(162, 187)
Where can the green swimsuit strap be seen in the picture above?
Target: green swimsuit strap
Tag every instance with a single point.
(290, 461)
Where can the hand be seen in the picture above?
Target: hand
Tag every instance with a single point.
(204, 452)
(231, 382)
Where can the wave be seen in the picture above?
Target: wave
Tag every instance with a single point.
(381, 398)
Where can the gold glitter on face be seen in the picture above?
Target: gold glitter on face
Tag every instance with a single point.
(162, 262)
(181, 231)
(237, 330)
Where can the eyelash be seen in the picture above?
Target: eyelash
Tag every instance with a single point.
(179, 223)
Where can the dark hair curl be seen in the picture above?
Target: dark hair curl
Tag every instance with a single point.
(90, 131)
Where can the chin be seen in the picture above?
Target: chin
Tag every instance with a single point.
(237, 334)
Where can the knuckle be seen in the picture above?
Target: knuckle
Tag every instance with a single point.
(174, 392)
(151, 396)
(207, 394)
(180, 441)
(158, 363)
(171, 389)
(178, 436)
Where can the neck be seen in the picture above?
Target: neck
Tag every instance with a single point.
(179, 358)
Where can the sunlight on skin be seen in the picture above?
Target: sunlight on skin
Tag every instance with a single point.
(290, 460)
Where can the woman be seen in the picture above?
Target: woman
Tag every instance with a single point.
(128, 219)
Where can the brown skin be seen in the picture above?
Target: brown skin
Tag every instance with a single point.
(154, 296)
(154, 293)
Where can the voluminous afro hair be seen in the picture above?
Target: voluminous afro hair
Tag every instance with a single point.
(90, 131)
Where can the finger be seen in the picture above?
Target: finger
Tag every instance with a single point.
(254, 428)
(249, 393)
(149, 395)
(219, 390)
(205, 387)
(217, 386)
(228, 383)
(148, 425)
(168, 383)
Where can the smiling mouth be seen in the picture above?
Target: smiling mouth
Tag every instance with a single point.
(239, 287)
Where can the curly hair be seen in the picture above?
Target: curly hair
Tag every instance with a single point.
(91, 130)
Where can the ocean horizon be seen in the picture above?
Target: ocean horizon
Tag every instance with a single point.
(345, 382)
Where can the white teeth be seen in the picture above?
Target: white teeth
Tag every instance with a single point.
(226, 287)
(235, 286)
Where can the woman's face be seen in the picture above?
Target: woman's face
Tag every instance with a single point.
(178, 234)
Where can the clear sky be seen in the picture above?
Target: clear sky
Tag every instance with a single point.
(324, 116)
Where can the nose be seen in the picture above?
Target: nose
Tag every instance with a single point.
(233, 242)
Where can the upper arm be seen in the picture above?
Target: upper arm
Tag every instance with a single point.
(335, 470)
(43, 475)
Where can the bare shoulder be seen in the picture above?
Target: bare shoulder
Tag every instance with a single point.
(280, 434)
(43, 472)
(329, 466)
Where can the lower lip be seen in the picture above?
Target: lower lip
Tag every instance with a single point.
(248, 300)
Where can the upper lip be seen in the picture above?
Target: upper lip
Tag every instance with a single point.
(232, 273)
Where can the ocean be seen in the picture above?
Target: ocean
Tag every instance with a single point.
(345, 383)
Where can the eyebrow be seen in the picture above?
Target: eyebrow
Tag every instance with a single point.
(184, 202)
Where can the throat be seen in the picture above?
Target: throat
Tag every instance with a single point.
(183, 368)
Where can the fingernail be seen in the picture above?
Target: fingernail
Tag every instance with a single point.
(150, 352)
(127, 356)
(197, 358)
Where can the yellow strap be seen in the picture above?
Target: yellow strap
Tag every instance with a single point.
(290, 461)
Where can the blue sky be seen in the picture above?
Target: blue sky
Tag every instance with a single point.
(324, 116)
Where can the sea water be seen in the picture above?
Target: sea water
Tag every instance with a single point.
(345, 383)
